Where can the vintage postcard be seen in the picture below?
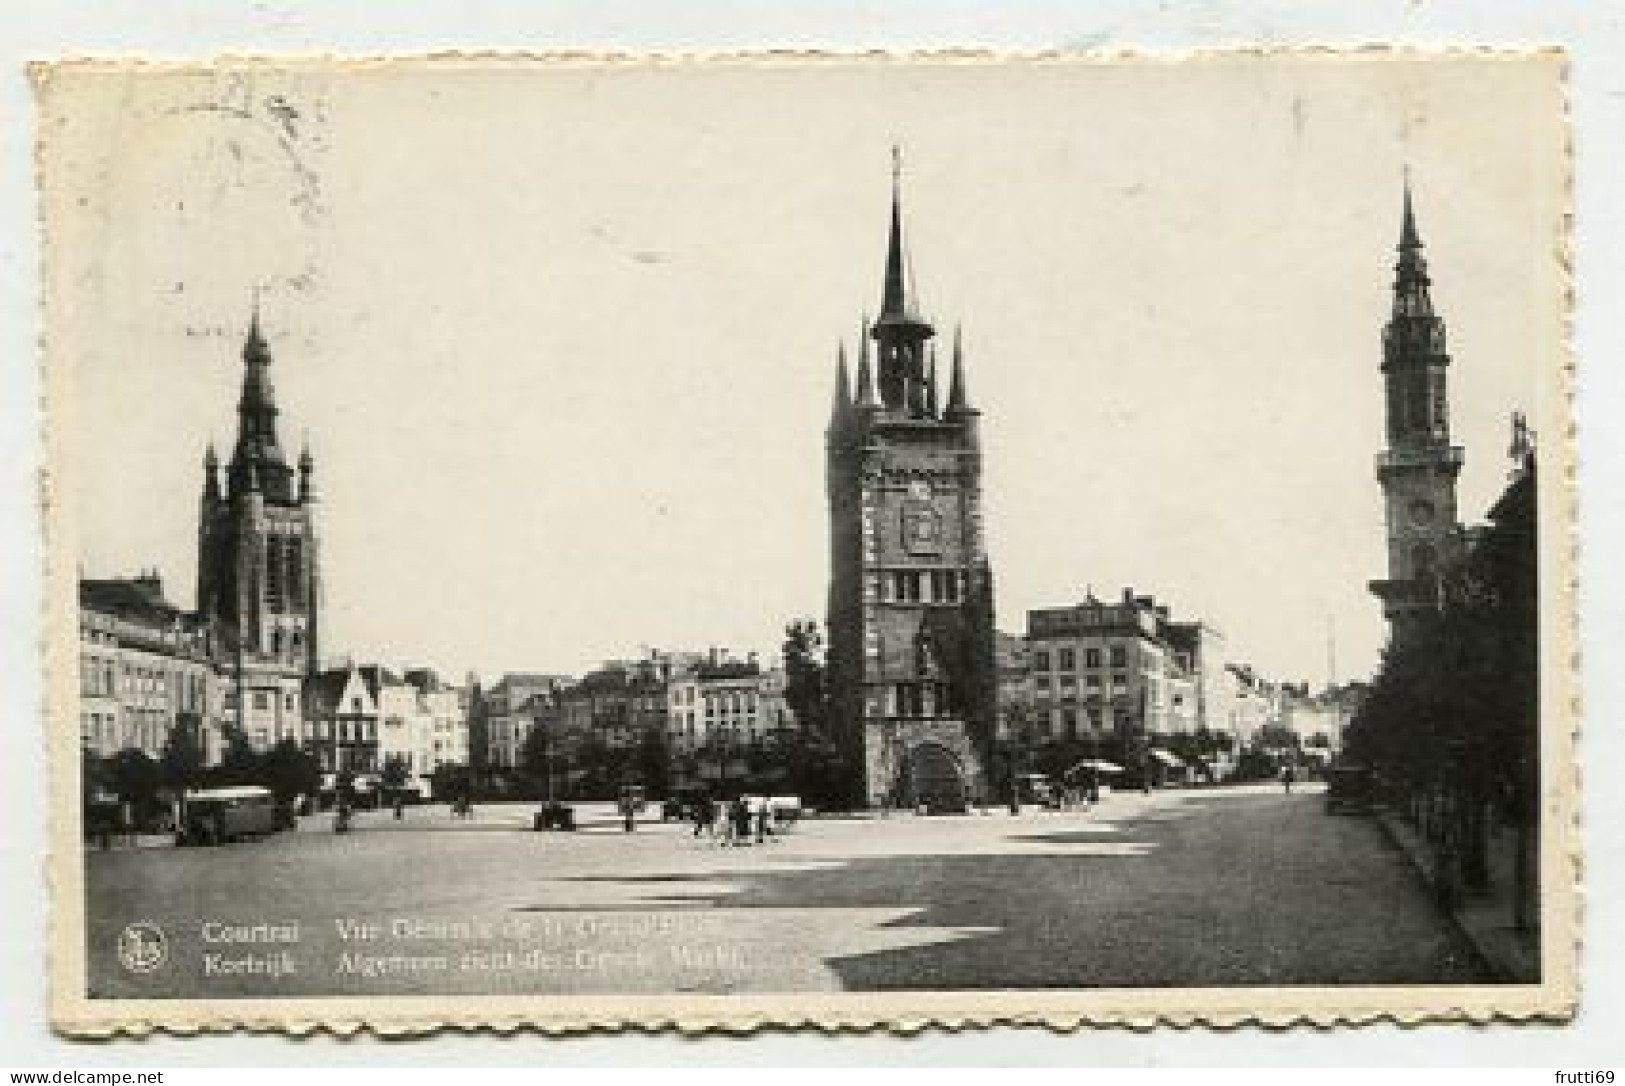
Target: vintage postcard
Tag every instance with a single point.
(597, 542)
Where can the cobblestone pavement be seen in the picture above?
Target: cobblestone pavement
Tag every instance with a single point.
(1213, 887)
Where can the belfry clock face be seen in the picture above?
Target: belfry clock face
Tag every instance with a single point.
(1422, 511)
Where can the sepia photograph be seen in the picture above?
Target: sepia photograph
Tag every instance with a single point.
(809, 540)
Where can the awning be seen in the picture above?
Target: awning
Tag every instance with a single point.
(1095, 764)
(1166, 759)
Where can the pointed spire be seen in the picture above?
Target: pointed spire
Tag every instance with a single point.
(841, 410)
(958, 397)
(1408, 237)
(1411, 282)
(211, 473)
(866, 383)
(254, 346)
(894, 298)
(931, 383)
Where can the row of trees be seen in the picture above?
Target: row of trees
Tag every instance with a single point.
(805, 760)
(1452, 722)
(145, 786)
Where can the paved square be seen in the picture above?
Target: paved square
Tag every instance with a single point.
(1230, 886)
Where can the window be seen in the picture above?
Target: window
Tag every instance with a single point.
(910, 699)
(274, 568)
(1119, 656)
(1069, 660)
(1041, 660)
(1069, 722)
(906, 586)
(296, 576)
(1092, 682)
(1091, 657)
(945, 586)
(262, 701)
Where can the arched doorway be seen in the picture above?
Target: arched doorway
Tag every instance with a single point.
(931, 776)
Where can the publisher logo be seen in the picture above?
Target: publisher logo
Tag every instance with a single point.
(142, 947)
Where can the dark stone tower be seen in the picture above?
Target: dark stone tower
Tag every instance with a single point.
(911, 665)
(258, 580)
(1418, 469)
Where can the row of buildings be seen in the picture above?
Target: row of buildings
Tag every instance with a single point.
(921, 686)
(1101, 670)
(690, 699)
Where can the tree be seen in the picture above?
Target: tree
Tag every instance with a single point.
(479, 731)
(804, 684)
(451, 781)
(394, 776)
(239, 764)
(181, 762)
(289, 771)
(654, 760)
(135, 778)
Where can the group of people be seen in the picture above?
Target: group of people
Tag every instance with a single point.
(735, 821)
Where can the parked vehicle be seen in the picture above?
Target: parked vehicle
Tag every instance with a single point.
(1350, 788)
(683, 802)
(1037, 788)
(214, 816)
(554, 816)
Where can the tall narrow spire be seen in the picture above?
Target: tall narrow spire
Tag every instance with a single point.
(895, 301)
(866, 383)
(1408, 238)
(211, 473)
(256, 419)
(1411, 282)
(958, 398)
(899, 330)
(841, 411)
(931, 383)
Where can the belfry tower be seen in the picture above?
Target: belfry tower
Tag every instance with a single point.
(258, 580)
(1418, 469)
(911, 666)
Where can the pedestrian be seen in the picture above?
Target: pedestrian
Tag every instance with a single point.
(1286, 778)
(740, 814)
(763, 813)
(629, 813)
(400, 807)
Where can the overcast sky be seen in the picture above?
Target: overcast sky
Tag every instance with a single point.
(563, 339)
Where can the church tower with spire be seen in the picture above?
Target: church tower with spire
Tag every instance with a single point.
(258, 574)
(1418, 469)
(911, 666)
